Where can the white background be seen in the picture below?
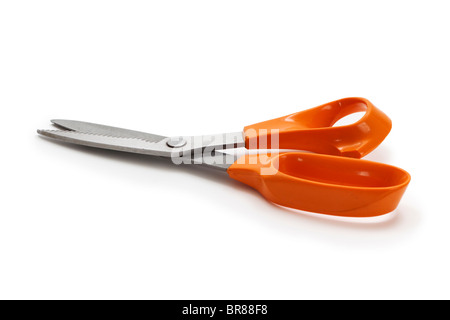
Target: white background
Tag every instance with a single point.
(79, 223)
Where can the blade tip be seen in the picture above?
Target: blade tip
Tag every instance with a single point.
(42, 132)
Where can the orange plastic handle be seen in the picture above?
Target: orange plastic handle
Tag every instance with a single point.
(323, 183)
(313, 130)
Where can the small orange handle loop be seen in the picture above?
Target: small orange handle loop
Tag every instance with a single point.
(313, 130)
(323, 183)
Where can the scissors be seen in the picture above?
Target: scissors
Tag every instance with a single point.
(309, 164)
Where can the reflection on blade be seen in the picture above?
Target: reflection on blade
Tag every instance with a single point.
(133, 145)
(94, 128)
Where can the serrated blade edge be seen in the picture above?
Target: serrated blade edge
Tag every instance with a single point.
(126, 144)
(94, 128)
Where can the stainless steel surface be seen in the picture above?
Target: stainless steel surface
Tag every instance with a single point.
(217, 160)
(193, 143)
(192, 150)
(219, 141)
(134, 145)
(87, 127)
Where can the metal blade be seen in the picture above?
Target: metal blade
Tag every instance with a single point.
(133, 145)
(181, 149)
(215, 160)
(87, 127)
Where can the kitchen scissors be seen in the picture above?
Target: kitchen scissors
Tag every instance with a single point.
(319, 171)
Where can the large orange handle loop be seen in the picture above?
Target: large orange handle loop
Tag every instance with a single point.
(323, 183)
(313, 130)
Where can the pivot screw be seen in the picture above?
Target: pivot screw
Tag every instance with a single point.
(176, 142)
